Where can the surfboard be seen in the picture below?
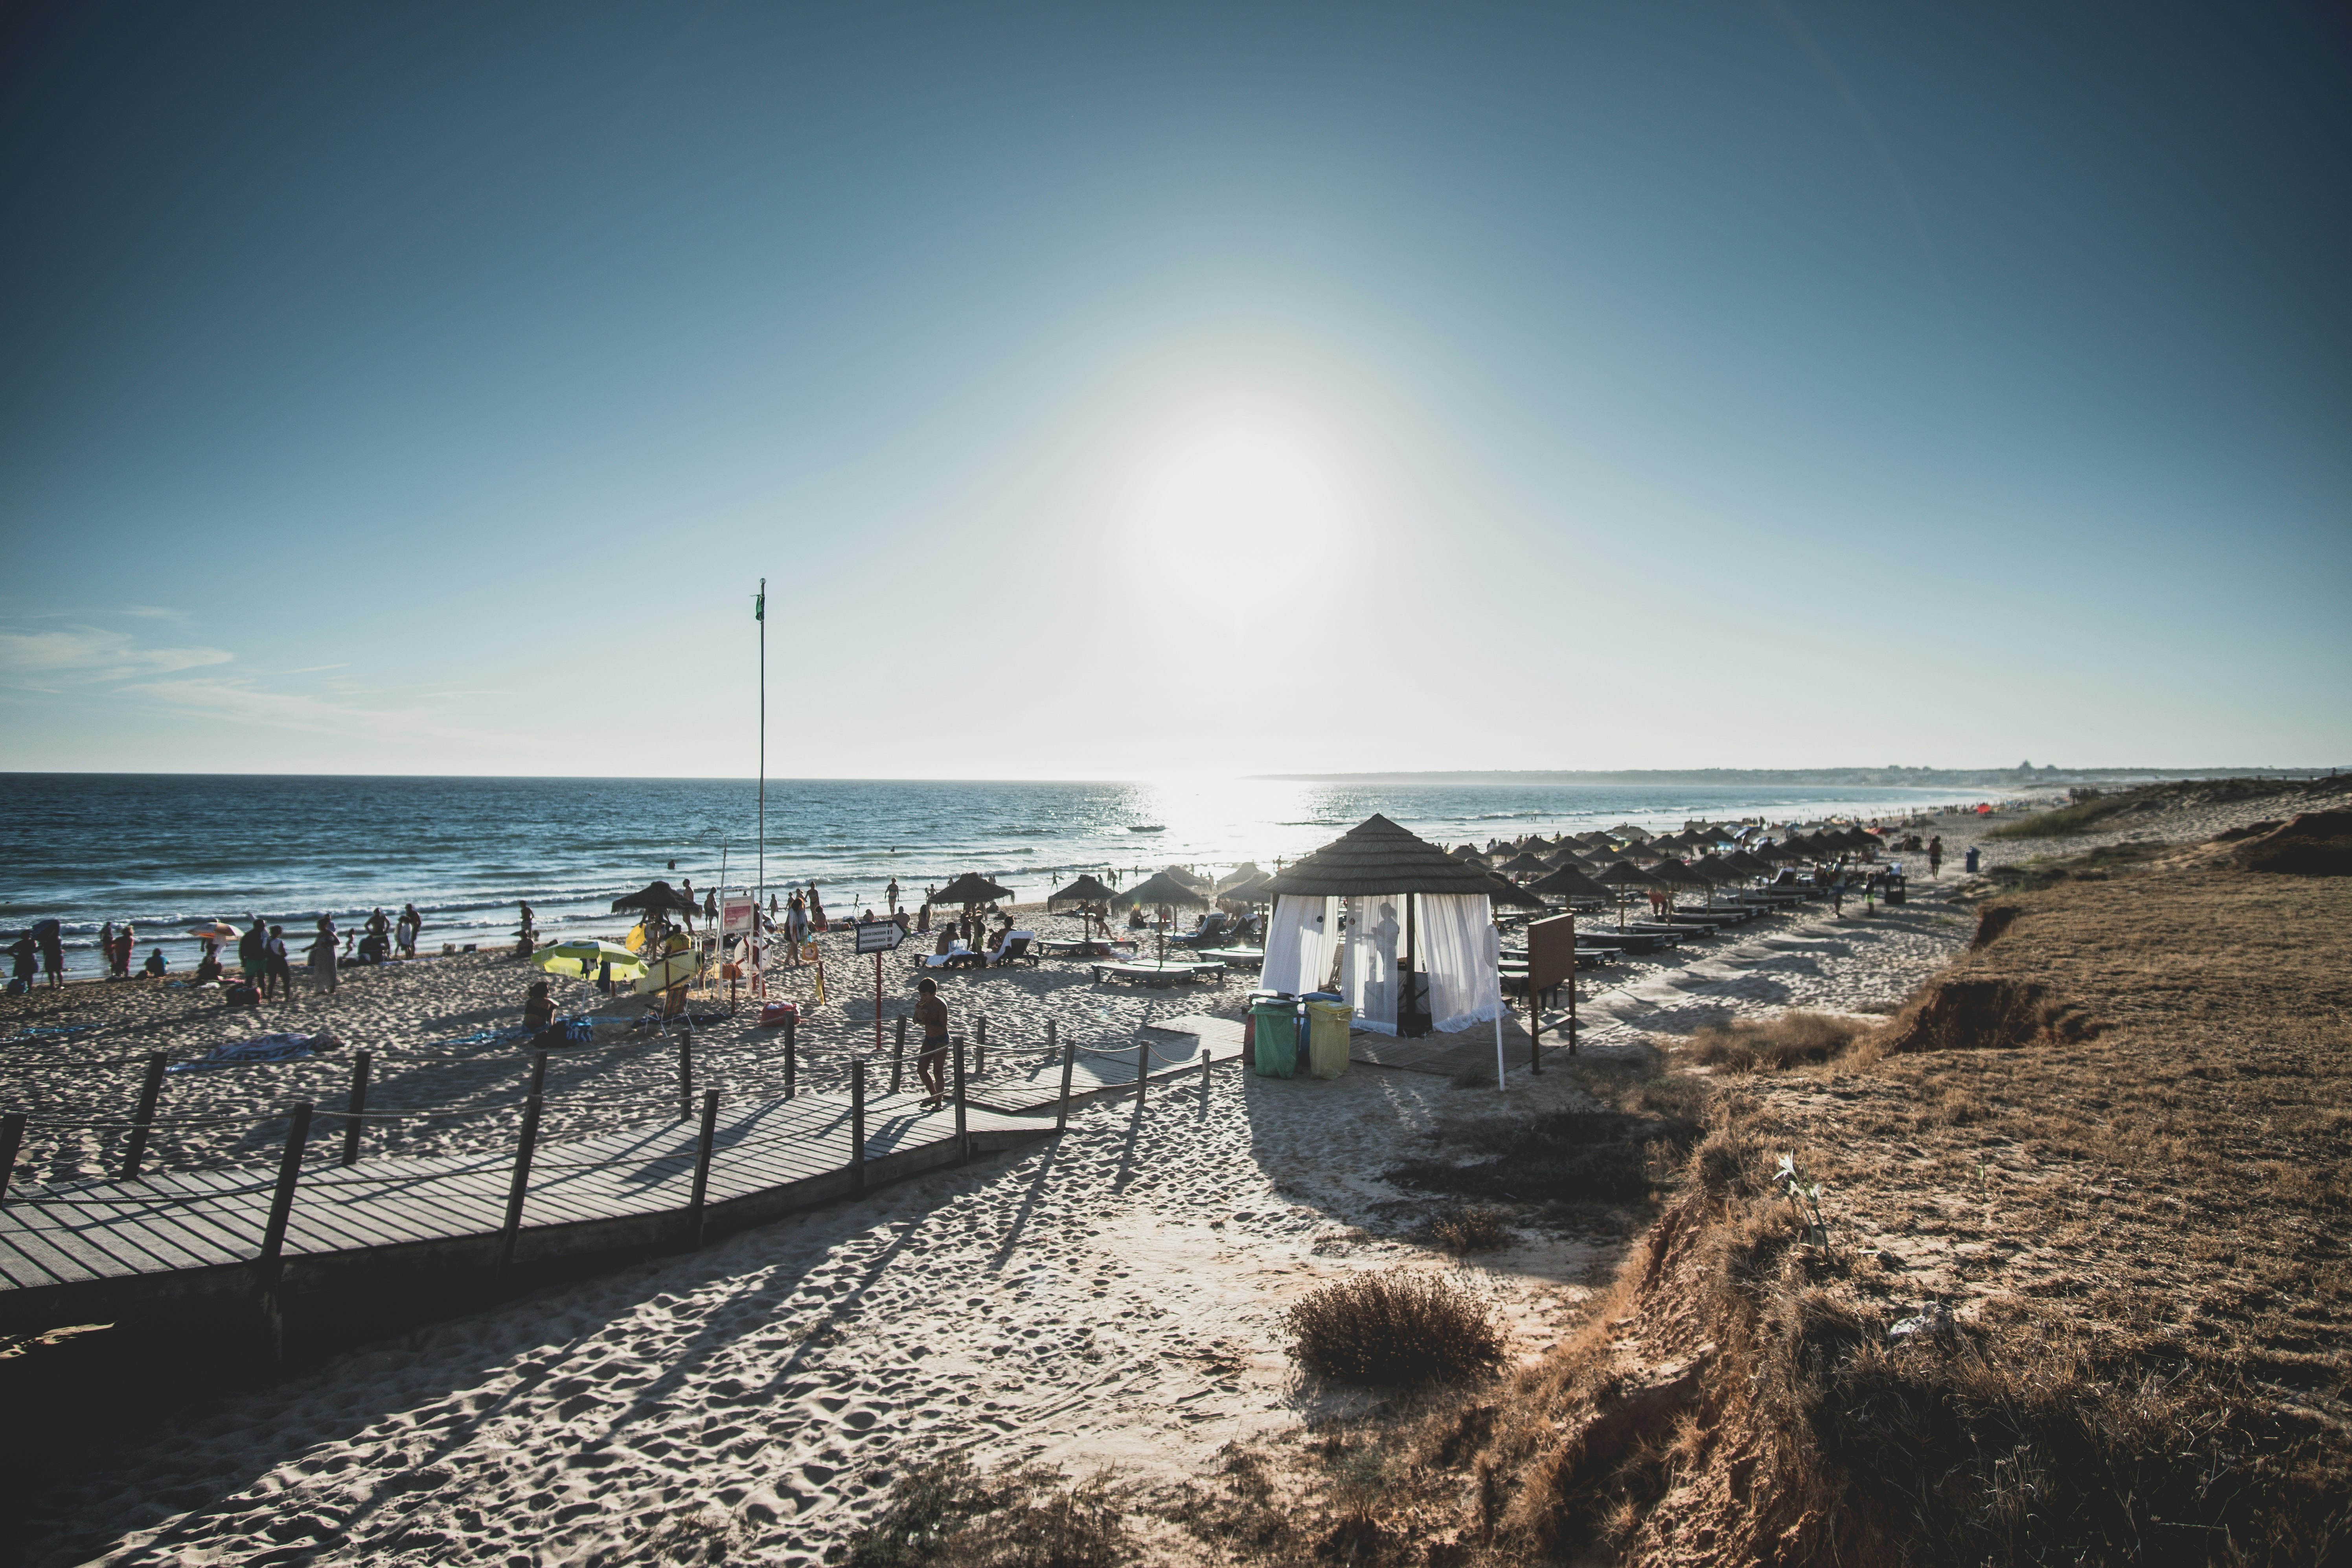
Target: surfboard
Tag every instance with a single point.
(670, 969)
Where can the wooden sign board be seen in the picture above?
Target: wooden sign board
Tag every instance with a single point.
(1551, 953)
(738, 914)
(879, 936)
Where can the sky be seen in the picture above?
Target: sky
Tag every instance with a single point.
(1120, 392)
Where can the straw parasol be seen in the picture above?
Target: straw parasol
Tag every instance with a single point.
(1674, 874)
(1086, 890)
(971, 890)
(656, 898)
(1199, 884)
(1246, 871)
(1503, 891)
(1165, 891)
(1521, 863)
(1625, 874)
(1468, 852)
(1569, 882)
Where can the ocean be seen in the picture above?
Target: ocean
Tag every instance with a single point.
(165, 851)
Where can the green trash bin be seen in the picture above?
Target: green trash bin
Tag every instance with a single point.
(1326, 1037)
(1276, 1032)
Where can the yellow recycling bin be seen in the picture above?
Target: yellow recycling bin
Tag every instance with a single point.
(1327, 1039)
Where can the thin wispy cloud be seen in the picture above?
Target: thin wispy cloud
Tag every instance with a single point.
(81, 655)
(237, 700)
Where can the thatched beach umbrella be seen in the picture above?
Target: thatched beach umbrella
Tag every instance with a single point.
(1569, 882)
(1503, 891)
(654, 899)
(971, 890)
(1246, 871)
(1088, 893)
(1468, 852)
(1520, 864)
(1674, 874)
(1168, 895)
(1625, 874)
(1198, 884)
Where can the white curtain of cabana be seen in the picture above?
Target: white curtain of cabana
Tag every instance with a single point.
(1451, 946)
(1367, 977)
(1299, 941)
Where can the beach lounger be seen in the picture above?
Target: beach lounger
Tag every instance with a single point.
(1251, 956)
(1156, 973)
(957, 956)
(1210, 928)
(1014, 950)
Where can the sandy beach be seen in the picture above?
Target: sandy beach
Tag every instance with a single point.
(1107, 1300)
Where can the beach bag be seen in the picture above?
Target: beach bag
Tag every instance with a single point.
(242, 994)
(776, 1014)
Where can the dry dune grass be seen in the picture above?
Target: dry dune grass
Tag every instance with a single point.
(2089, 1204)
(1742, 1045)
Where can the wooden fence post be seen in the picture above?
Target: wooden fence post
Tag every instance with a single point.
(12, 1138)
(963, 1139)
(857, 1127)
(1572, 985)
(351, 1123)
(702, 1166)
(144, 1117)
(686, 1075)
(979, 1048)
(282, 1201)
(898, 1053)
(519, 1183)
(792, 1029)
(538, 1073)
(1142, 1069)
(1204, 1077)
(269, 1267)
(1069, 1060)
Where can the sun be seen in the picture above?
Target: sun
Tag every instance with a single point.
(1244, 501)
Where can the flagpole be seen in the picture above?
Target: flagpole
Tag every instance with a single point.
(759, 614)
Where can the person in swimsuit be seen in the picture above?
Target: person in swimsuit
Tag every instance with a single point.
(931, 1062)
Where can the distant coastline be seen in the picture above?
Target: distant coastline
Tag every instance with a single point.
(2023, 774)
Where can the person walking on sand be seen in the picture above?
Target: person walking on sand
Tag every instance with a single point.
(125, 950)
(1934, 856)
(412, 926)
(106, 948)
(931, 1061)
(816, 910)
(25, 954)
(279, 979)
(890, 895)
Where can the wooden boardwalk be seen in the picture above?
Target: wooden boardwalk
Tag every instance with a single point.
(434, 1228)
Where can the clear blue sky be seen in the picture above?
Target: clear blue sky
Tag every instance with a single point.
(1114, 391)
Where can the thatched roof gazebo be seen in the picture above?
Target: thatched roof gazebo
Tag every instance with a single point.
(1420, 948)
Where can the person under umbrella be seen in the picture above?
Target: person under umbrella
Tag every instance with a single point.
(1168, 895)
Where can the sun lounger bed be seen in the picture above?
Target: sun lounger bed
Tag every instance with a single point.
(1156, 973)
(1675, 930)
(1090, 947)
(1252, 957)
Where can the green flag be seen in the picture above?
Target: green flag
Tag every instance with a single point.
(760, 606)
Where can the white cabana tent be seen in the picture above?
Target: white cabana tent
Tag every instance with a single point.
(1409, 909)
